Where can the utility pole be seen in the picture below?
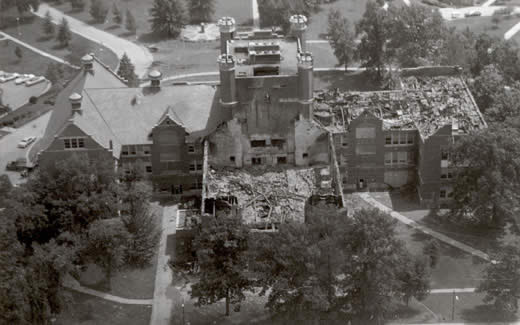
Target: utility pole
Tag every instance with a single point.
(453, 306)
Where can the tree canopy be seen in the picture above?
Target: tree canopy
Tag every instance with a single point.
(221, 249)
(341, 37)
(168, 17)
(127, 71)
(201, 11)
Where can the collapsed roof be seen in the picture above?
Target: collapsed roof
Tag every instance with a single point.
(425, 103)
(272, 196)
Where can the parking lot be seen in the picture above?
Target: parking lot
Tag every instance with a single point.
(8, 144)
(17, 95)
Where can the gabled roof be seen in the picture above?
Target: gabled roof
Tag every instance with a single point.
(100, 77)
(132, 113)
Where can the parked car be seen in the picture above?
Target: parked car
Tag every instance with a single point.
(17, 165)
(9, 77)
(33, 81)
(474, 13)
(23, 79)
(26, 142)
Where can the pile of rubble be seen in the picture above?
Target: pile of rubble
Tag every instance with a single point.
(426, 104)
(269, 197)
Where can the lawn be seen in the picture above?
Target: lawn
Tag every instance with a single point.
(480, 25)
(85, 309)
(239, 9)
(137, 283)
(30, 32)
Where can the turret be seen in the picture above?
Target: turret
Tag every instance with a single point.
(155, 78)
(305, 79)
(87, 62)
(298, 28)
(228, 95)
(227, 30)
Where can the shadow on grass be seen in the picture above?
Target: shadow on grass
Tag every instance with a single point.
(485, 313)
(112, 27)
(44, 38)
(59, 47)
(152, 37)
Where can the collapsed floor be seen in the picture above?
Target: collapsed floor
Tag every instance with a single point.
(269, 197)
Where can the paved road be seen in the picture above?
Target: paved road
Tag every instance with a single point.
(34, 49)
(396, 215)
(140, 55)
(8, 149)
(164, 294)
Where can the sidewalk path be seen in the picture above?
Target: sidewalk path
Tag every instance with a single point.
(460, 290)
(488, 3)
(73, 284)
(512, 31)
(366, 196)
(140, 55)
(4, 36)
(163, 300)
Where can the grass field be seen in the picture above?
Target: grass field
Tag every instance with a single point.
(30, 32)
(239, 9)
(485, 25)
(88, 310)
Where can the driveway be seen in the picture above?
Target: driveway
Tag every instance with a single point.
(138, 54)
(8, 149)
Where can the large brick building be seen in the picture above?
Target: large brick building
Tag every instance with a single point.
(266, 114)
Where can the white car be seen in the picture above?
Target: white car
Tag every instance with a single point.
(23, 79)
(26, 142)
(34, 81)
(9, 77)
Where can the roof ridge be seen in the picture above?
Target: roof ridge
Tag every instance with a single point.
(108, 68)
(101, 115)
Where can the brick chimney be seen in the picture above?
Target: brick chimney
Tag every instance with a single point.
(87, 62)
(155, 78)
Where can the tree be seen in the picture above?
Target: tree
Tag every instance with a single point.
(354, 267)
(130, 22)
(341, 38)
(77, 5)
(168, 17)
(54, 72)
(501, 281)
(106, 244)
(64, 34)
(431, 250)
(221, 253)
(374, 31)
(18, 52)
(127, 71)
(505, 104)
(48, 26)
(140, 222)
(116, 13)
(201, 11)
(417, 35)
(277, 12)
(414, 277)
(486, 86)
(487, 187)
(98, 11)
(458, 48)
(21, 5)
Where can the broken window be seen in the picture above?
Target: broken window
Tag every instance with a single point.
(444, 154)
(278, 143)
(281, 160)
(402, 138)
(256, 161)
(191, 148)
(192, 167)
(388, 158)
(176, 189)
(402, 157)
(305, 155)
(257, 143)
(388, 139)
(232, 158)
(148, 169)
(344, 140)
(199, 166)
(410, 139)
(411, 158)
(146, 150)
(442, 194)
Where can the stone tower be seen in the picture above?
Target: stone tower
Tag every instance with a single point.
(227, 27)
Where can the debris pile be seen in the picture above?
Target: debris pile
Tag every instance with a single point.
(269, 197)
(426, 104)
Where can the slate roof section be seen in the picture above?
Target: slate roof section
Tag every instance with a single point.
(100, 76)
(132, 113)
